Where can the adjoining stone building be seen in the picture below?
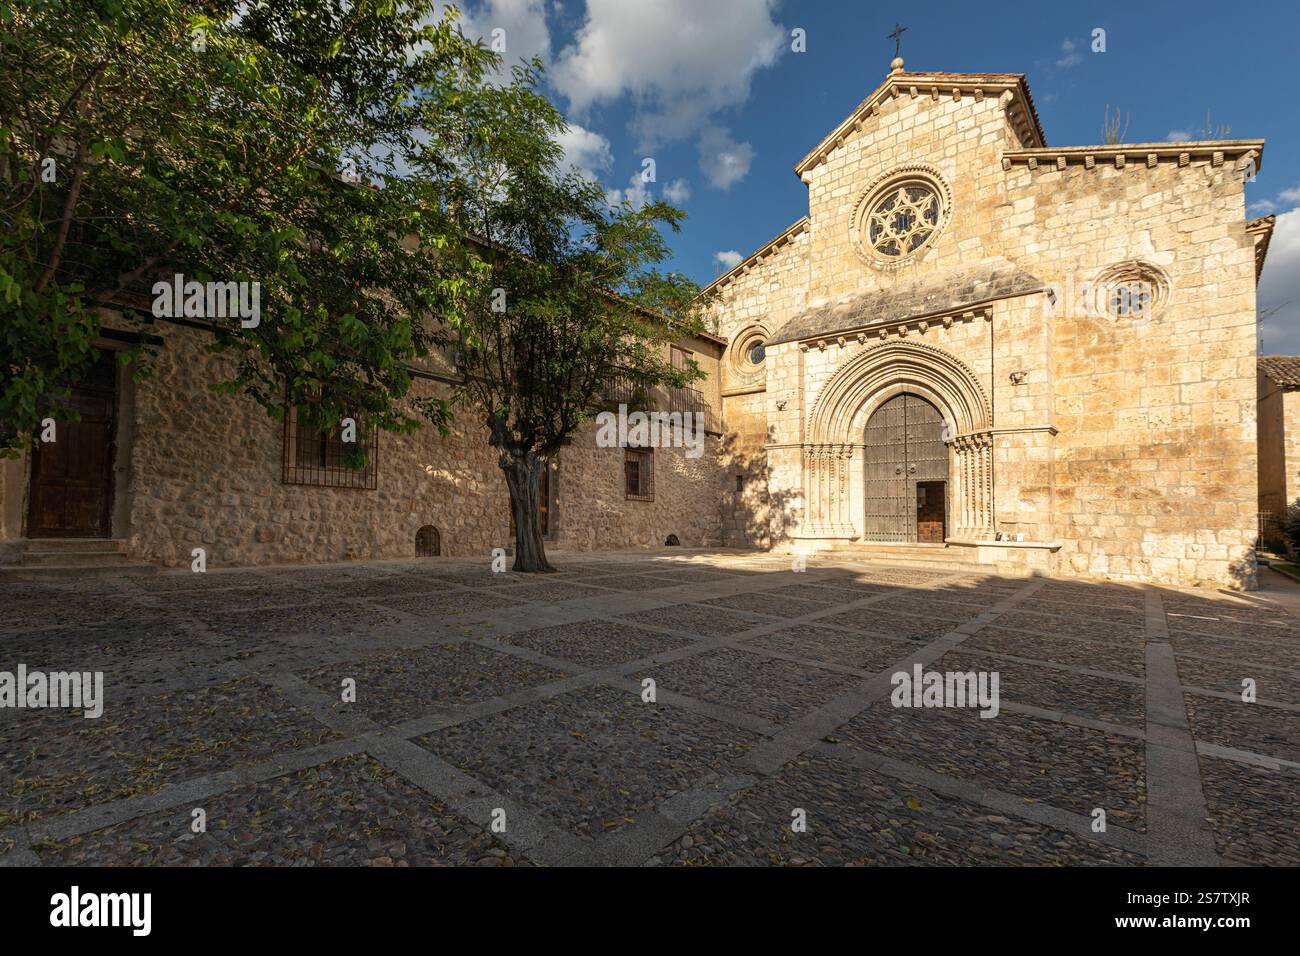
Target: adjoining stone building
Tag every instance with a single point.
(1279, 441)
(980, 347)
(158, 468)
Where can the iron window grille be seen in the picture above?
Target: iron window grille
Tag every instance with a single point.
(639, 474)
(320, 457)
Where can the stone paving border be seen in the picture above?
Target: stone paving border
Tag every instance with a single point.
(1176, 807)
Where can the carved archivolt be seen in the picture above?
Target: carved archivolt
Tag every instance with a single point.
(841, 410)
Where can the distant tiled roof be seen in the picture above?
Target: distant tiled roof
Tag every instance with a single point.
(1284, 370)
(932, 294)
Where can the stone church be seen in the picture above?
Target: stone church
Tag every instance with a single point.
(976, 347)
(975, 350)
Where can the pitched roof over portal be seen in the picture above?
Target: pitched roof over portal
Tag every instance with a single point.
(1019, 102)
(934, 294)
(1284, 370)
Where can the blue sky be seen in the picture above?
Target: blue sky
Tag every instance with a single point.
(712, 91)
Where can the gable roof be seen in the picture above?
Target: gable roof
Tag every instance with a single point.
(1019, 102)
(1284, 370)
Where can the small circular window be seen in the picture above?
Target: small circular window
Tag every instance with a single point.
(1130, 290)
(900, 215)
(757, 352)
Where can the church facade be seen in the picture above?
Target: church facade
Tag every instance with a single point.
(977, 346)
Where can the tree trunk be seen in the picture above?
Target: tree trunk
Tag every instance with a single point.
(523, 472)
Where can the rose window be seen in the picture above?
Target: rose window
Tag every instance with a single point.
(903, 220)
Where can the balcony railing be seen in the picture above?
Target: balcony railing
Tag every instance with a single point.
(627, 390)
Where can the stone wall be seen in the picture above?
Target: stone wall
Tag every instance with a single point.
(205, 471)
(1156, 456)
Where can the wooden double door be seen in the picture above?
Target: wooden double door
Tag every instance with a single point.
(906, 476)
(71, 490)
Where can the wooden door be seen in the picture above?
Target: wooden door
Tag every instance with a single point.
(931, 511)
(904, 448)
(71, 492)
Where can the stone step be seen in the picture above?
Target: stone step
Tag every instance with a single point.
(75, 545)
(935, 557)
(44, 559)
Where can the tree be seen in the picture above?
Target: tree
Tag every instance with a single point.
(252, 143)
(565, 294)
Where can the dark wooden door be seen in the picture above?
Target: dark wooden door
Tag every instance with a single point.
(71, 492)
(904, 447)
(931, 511)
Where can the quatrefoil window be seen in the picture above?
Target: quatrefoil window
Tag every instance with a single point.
(900, 215)
(903, 220)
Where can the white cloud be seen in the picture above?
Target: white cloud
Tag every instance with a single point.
(585, 150)
(677, 191)
(1070, 55)
(1178, 136)
(636, 195)
(1279, 287)
(1291, 195)
(679, 60)
(728, 259)
(1262, 206)
(523, 21)
(723, 161)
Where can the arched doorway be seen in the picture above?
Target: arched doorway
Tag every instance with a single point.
(906, 480)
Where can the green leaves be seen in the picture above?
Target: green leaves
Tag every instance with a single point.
(222, 163)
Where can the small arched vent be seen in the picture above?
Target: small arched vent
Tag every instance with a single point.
(672, 541)
(428, 542)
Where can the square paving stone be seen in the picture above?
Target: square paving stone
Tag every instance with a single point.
(692, 575)
(776, 690)
(58, 760)
(593, 760)
(907, 627)
(697, 619)
(349, 812)
(812, 592)
(859, 817)
(1069, 692)
(1081, 625)
(1092, 595)
(1230, 627)
(1226, 677)
(1254, 812)
(596, 643)
(400, 686)
(1127, 659)
(1257, 728)
(448, 604)
(868, 652)
(632, 582)
(554, 592)
(1073, 768)
(769, 604)
(1237, 650)
(67, 609)
(211, 580)
(322, 619)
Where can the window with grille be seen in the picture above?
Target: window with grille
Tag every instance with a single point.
(318, 456)
(639, 474)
